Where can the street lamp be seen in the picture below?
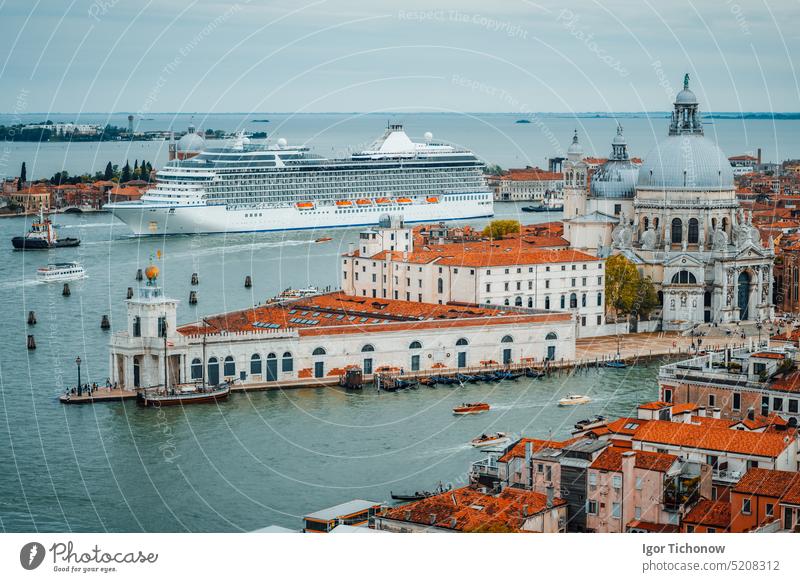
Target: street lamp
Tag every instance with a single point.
(78, 361)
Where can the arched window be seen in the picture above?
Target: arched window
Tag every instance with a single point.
(462, 342)
(655, 222)
(573, 301)
(368, 348)
(229, 367)
(583, 300)
(197, 369)
(415, 345)
(677, 231)
(725, 223)
(530, 302)
(518, 302)
(439, 285)
(683, 278)
(694, 231)
(645, 222)
(318, 352)
(287, 363)
(507, 339)
(255, 364)
(506, 302)
(547, 302)
(599, 299)
(551, 336)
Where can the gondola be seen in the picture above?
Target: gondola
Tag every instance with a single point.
(533, 373)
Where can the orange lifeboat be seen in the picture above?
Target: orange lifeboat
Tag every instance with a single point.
(432, 199)
(363, 202)
(404, 200)
(383, 201)
(471, 408)
(305, 205)
(341, 203)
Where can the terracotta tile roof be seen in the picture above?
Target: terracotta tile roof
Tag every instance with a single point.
(685, 407)
(766, 482)
(786, 382)
(518, 449)
(714, 439)
(711, 422)
(625, 425)
(497, 253)
(657, 405)
(611, 460)
(531, 174)
(710, 514)
(337, 313)
(768, 355)
(468, 510)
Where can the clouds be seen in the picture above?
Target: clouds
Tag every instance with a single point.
(337, 55)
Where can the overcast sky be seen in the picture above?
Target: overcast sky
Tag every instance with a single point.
(347, 55)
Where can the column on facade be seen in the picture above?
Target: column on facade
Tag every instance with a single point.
(759, 286)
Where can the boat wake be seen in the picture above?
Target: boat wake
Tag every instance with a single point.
(443, 451)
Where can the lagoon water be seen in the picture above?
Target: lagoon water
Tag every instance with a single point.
(258, 459)
(496, 138)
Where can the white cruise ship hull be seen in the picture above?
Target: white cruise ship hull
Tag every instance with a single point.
(155, 219)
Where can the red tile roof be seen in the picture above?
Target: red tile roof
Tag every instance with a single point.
(496, 253)
(766, 482)
(467, 510)
(657, 405)
(709, 513)
(611, 460)
(338, 313)
(652, 527)
(518, 449)
(714, 439)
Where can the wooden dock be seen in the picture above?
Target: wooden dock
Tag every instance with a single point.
(97, 396)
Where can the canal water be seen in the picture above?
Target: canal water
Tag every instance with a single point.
(258, 459)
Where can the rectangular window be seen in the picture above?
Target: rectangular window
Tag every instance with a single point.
(548, 473)
(737, 401)
(162, 326)
(792, 405)
(639, 483)
(746, 506)
(547, 284)
(637, 513)
(591, 507)
(712, 400)
(592, 478)
(616, 481)
(615, 512)
(769, 509)
(777, 404)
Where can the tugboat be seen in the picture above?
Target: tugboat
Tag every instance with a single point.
(42, 236)
(471, 408)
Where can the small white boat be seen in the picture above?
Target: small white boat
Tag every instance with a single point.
(61, 272)
(572, 399)
(491, 440)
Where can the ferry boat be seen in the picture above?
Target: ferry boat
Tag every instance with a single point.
(471, 408)
(491, 440)
(42, 236)
(60, 272)
(246, 188)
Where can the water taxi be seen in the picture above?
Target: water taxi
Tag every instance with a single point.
(60, 272)
(471, 408)
(491, 440)
(573, 399)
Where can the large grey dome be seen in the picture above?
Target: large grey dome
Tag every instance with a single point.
(686, 162)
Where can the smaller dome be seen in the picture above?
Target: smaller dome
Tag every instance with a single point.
(686, 97)
(151, 272)
(191, 142)
(575, 148)
(619, 139)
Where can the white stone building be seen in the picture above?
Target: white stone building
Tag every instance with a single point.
(317, 337)
(688, 233)
(508, 272)
(528, 184)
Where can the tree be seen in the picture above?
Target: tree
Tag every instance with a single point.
(622, 284)
(23, 177)
(646, 298)
(109, 173)
(126, 172)
(497, 229)
(493, 170)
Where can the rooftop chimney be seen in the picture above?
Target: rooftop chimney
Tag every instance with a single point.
(717, 413)
(550, 494)
(525, 510)
(408, 515)
(433, 518)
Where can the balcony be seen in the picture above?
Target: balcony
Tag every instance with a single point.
(486, 468)
(726, 475)
(680, 492)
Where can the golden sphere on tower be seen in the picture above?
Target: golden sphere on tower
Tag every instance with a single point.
(151, 272)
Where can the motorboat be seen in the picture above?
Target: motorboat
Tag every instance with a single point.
(60, 272)
(589, 423)
(323, 239)
(471, 408)
(491, 440)
(42, 236)
(616, 364)
(573, 399)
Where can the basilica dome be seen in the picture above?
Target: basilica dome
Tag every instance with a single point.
(686, 160)
(616, 178)
(191, 142)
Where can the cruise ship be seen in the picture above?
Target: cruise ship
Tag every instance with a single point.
(247, 188)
